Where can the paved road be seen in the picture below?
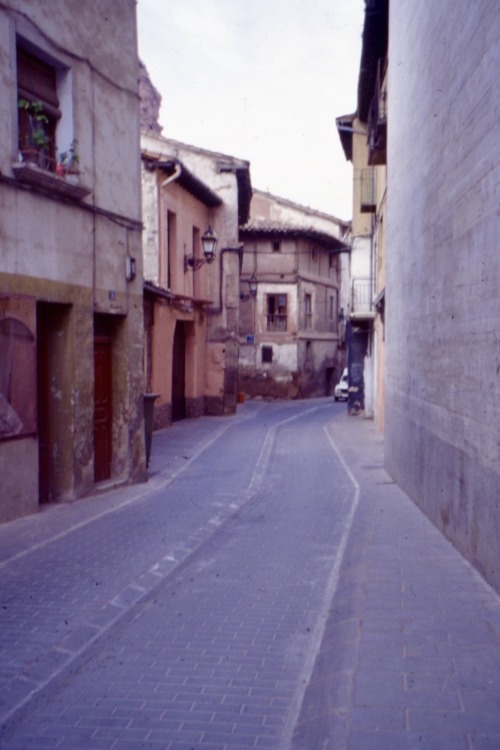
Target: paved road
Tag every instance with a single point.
(270, 587)
(187, 613)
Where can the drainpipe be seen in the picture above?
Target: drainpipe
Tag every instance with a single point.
(239, 250)
(173, 177)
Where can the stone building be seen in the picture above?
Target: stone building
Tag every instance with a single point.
(191, 299)
(291, 318)
(71, 325)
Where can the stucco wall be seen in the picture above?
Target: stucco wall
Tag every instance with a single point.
(443, 274)
(68, 254)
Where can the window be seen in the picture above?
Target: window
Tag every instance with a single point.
(276, 312)
(333, 305)
(276, 246)
(267, 354)
(17, 379)
(308, 310)
(38, 109)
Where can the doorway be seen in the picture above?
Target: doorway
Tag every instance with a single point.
(53, 397)
(179, 373)
(103, 406)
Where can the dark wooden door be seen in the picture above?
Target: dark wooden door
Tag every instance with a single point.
(103, 409)
(43, 367)
(179, 373)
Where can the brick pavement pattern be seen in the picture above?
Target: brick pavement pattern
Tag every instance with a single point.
(269, 588)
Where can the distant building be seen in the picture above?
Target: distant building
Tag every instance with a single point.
(71, 326)
(291, 319)
(191, 305)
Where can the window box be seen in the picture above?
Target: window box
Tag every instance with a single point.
(67, 185)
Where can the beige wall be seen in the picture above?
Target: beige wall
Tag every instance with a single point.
(71, 255)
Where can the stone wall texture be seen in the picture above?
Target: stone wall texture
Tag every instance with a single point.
(443, 269)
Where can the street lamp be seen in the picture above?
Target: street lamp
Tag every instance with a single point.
(252, 283)
(209, 243)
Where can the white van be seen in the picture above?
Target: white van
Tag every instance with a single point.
(341, 389)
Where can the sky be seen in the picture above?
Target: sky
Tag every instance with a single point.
(261, 80)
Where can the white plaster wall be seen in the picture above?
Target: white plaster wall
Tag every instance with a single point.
(360, 257)
(292, 306)
(267, 206)
(443, 272)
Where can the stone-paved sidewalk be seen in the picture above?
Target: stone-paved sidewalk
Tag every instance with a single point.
(410, 659)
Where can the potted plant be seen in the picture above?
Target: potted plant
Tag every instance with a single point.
(36, 140)
(68, 161)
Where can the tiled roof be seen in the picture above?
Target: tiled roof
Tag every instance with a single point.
(258, 228)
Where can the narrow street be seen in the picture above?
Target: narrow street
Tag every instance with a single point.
(269, 587)
(190, 613)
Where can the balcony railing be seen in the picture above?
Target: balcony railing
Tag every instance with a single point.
(377, 118)
(362, 295)
(276, 323)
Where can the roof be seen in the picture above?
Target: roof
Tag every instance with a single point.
(187, 180)
(303, 209)
(259, 229)
(345, 131)
(374, 48)
(224, 163)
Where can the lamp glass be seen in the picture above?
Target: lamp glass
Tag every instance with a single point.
(209, 243)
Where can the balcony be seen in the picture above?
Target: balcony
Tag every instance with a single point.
(377, 119)
(276, 323)
(362, 298)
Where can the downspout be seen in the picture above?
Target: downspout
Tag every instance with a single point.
(176, 174)
(239, 249)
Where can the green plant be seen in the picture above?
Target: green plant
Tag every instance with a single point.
(37, 135)
(69, 160)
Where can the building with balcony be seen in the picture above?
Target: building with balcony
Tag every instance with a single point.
(364, 137)
(292, 332)
(71, 326)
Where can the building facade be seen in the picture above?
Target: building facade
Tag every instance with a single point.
(364, 139)
(443, 271)
(191, 305)
(71, 326)
(291, 317)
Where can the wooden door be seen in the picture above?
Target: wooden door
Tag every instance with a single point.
(103, 408)
(179, 373)
(43, 365)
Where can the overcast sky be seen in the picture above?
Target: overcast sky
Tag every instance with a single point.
(261, 80)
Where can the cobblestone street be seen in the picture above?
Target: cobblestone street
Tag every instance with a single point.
(270, 587)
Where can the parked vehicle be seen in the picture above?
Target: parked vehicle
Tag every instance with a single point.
(341, 389)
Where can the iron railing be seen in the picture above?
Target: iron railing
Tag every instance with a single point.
(362, 295)
(276, 323)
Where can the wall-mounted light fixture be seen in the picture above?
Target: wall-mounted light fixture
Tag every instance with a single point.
(252, 284)
(209, 243)
(129, 268)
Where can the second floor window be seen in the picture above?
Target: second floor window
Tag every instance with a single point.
(308, 310)
(276, 312)
(38, 109)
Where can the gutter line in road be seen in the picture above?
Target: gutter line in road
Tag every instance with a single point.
(331, 588)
